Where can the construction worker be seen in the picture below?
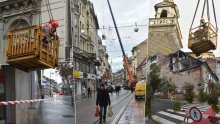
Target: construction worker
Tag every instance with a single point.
(49, 29)
(203, 23)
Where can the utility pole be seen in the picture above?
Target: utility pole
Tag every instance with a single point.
(50, 84)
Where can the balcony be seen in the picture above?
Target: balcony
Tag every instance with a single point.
(27, 52)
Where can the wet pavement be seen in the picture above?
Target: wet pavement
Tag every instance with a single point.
(134, 113)
(57, 111)
(86, 107)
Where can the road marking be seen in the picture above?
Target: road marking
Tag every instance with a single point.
(162, 120)
(117, 118)
(179, 112)
(173, 116)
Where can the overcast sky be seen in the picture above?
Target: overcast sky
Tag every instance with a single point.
(126, 13)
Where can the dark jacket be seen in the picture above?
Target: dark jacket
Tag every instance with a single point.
(103, 98)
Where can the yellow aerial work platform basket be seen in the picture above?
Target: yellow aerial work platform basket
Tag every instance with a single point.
(203, 39)
(27, 51)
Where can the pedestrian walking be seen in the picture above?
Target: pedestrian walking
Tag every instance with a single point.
(132, 89)
(102, 100)
(89, 92)
(84, 92)
(117, 90)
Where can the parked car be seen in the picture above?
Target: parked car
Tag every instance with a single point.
(140, 89)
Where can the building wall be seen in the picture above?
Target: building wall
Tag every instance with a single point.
(139, 53)
(212, 64)
(194, 76)
(22, 85)
(218, 69)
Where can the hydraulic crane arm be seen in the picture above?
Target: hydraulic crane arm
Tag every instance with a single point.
(121, 45)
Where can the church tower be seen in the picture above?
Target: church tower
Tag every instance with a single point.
(164, 30)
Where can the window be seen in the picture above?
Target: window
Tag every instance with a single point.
(88, 48)
(84, 67)
(163, 14)
(83, 46)
(77, 66)
(218, 64)
(88, 68)
(80, 66)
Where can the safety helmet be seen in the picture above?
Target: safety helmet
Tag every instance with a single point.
(202, 20)
(54, 23)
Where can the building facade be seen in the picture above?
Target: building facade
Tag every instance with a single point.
(84, 56)
(104, 70)
(164, 30)
(182, 68)
(139, 53)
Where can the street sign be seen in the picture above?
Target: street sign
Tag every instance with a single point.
(195, 114)
(44, 82)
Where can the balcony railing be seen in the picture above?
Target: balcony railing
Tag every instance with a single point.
(27, 51)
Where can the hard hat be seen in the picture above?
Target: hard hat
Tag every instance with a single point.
(202, 20)
(54, 23)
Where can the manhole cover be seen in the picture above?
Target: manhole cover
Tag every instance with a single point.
(67, 116)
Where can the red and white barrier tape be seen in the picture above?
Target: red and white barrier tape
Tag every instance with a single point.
(23, 101)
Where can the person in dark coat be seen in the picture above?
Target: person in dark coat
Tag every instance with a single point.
(89, 92)
(103, 100)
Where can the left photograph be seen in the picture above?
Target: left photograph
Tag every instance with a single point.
(37, 43)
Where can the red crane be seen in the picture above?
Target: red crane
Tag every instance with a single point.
(125, 58)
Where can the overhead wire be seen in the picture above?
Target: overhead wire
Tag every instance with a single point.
(195, 14)
(213, 6)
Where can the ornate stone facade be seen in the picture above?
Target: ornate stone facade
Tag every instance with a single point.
(164, 30)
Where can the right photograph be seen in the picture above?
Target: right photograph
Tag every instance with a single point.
(153, 62)
(181, 68)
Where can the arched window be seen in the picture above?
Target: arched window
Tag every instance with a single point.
(18, 24)
(163, 14)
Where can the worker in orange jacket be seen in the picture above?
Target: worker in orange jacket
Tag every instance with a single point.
(49, 30)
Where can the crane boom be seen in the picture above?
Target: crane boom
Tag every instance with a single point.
(125, 58)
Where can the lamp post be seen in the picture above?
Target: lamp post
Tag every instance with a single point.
(50, 84)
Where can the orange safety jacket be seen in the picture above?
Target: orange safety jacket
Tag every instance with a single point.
(45, 26)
